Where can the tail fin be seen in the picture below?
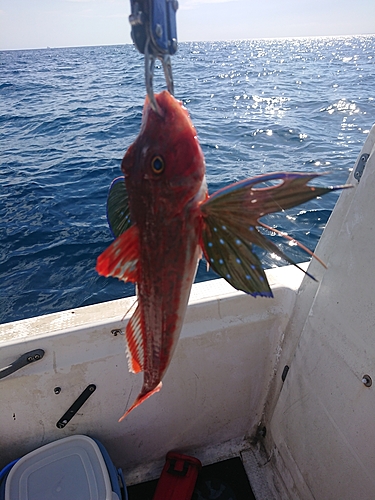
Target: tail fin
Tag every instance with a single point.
(142, 397)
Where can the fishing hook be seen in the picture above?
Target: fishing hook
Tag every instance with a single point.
(149, 75)
(167, 67)
(153, 30)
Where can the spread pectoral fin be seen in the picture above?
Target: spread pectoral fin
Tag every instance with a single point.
(118, 214)
(120, 259)
(230, 218)
(230, 254)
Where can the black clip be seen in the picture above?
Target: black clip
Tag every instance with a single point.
(25, 359)
(75, 406)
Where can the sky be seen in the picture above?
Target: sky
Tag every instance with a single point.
(26, 24)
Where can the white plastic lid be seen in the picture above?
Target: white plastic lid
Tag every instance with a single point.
(71, 468)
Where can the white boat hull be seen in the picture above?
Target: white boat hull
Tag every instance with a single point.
(217, 381)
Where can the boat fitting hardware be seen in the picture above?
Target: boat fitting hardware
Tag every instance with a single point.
(76, 406)
(285, 373)
(262, 431)
(57, 390)
(367, 380)
(24, 360)
(361, 166)
(117, 331)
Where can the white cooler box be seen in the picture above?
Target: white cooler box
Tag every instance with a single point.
(72, 468)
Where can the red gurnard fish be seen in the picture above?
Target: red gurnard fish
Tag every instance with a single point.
(163, 218)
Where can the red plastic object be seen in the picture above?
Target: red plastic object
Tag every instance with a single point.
(178, 478)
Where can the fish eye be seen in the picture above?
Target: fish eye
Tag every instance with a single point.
(157, 164)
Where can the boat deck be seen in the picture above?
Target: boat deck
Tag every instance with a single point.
(221, 481)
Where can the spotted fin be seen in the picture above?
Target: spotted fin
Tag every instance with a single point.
(134, 338)
(232, 257)
(118, 214)
(120, 259)
(230, 219)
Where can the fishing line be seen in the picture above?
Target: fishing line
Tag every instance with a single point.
(130, 308)
(286, 236)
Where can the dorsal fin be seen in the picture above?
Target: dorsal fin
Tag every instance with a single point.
(120, 259)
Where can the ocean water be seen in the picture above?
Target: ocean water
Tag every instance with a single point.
(68, 115)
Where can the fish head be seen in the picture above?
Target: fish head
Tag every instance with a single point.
(164, 168)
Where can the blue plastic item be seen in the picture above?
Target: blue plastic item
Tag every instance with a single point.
(116, 475)
(3, 476)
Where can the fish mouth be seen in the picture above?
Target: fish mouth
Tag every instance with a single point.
(167, 104)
